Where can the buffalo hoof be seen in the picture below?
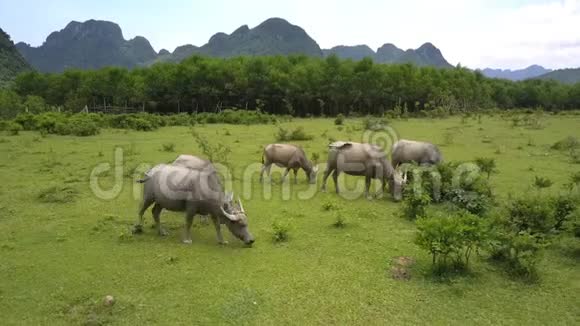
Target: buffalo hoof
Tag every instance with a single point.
(187, 241)
(223, 243)
(137, 229)
(162, 233)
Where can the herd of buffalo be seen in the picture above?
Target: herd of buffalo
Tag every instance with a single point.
(191, 184)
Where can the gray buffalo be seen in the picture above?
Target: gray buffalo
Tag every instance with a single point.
(181, 189)
(289, 156)
(192, 162)
(408, 151)
(363, 160)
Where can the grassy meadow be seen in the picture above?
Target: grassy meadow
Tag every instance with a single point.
(63, 249)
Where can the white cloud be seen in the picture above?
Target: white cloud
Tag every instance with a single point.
(545, 34)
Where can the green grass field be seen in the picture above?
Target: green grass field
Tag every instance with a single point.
(59, 260)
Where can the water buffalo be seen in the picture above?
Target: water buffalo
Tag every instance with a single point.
(407, 151)
(192, 162)
(365, 160)
(290, 157)
(181, 189)
(196, 163)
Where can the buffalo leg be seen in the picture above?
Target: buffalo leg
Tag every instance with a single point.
(264, 167)
(335, 178)
(285, 174)
(218, 230)
(156, 216)
(326, 174)
(188, 223)
(296, 176)
(367, 186)
(138, 228)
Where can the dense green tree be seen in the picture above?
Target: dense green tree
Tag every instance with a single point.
(295, 84)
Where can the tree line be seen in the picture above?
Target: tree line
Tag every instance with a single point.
(295, 85)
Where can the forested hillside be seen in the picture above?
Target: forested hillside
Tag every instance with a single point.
(11, 62)
(568, 76)
(296, 85)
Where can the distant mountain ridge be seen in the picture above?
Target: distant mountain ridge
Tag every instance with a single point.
(274, 36)
(95, 44)
(426, 55)
(90, 45)
(11, 62)
(520, 74)
(567, 76)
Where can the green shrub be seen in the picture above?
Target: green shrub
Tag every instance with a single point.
(451, 238)
(296, 134)
(340, 221)
(215, 152)
(566, 144)
(441, 184)
(473, 202)
(486, 165)
(26, 120)
(14, 128)
(370, 123)
(330, 205)
(564, 206)
(574, 181)
(231, 116)
(280, 231)
(415, 202)
(541, 182)
(82, 125)
(534, 214)
(168, 147)
(339, 120)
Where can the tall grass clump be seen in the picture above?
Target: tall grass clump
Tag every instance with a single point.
(290, 135)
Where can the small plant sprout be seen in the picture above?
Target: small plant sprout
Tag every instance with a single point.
(486, 165)
(541, 182)
(340, 220)
(280, 231)
(168, 147)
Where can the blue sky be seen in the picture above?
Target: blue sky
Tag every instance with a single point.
(475, 33)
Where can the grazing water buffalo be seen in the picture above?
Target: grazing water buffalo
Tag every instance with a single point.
(407, 151)
(365, 160)
(290, 157)
(192, 162)
(181, 189)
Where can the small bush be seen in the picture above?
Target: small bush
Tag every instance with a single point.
(314, 157)
(374, 124)
(296, 134)
(80, 125)
(564, 206)
(415, 203)
(566, 144)
(541, 182)
(215, 152)
(534, 214)
(339, 119)
(486, 165)
(14, 128)
(340, 221)
(280, 232)
(574, 181)
(58, 194)
(330, 205)
(473, 202)
(168, 147)
(451, 238)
